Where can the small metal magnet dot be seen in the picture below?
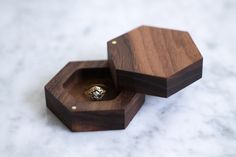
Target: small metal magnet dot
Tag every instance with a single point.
(114, 42)
(73, 107)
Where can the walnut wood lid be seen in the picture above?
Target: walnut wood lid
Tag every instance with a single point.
(154, 61)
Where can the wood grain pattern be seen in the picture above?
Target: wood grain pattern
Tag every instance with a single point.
(67, 88)
(154, 61)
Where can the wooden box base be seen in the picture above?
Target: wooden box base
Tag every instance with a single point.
(66, 98)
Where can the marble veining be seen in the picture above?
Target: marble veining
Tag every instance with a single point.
(37, 38)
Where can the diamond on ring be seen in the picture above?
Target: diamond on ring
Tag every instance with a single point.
(95, 92)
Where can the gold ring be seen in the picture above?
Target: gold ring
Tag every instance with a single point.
(96, 92)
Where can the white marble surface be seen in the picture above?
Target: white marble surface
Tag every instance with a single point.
(38, 37)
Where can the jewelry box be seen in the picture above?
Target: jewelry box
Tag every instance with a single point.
(106, 95)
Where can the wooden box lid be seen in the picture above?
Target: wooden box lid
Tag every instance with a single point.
(154, 61)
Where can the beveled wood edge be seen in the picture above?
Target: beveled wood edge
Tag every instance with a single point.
(116, 73)
(150, 26)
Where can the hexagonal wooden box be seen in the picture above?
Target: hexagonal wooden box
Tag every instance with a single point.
(147, 60)
(154, 60)
(65, 97)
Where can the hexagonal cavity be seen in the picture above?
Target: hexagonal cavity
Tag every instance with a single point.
(66, 98)
(154, 61)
